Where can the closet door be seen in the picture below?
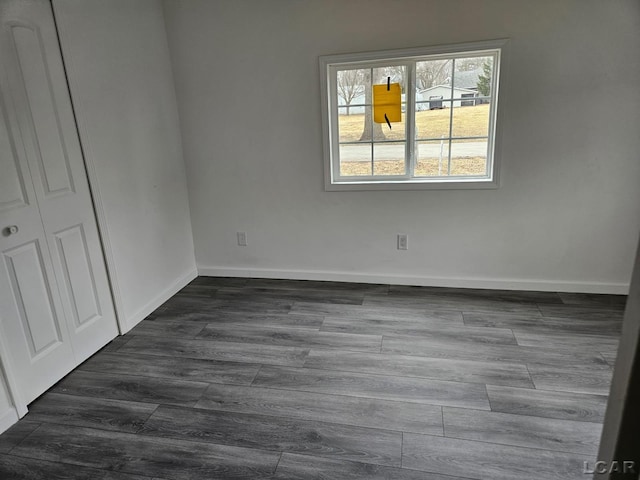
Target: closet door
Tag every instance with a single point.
(58, 302)
(32, 320)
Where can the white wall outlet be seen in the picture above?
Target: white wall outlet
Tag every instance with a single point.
(242, 239)
(403, 241)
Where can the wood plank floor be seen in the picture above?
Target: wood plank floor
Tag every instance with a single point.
(281, 379)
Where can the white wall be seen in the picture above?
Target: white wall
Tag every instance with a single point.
(566, 217)
(120, 78)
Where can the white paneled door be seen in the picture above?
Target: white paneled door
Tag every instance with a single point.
(55, 303)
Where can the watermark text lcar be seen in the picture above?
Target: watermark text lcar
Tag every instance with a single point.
(609, 467)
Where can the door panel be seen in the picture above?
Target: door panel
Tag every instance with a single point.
(78, 274)
(50, 151)
(30, 290)
(55, 302)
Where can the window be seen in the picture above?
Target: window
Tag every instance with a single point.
(447, 134)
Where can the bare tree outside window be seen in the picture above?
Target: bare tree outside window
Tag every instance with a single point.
(432, 73)
(351, 85)
(468, 64)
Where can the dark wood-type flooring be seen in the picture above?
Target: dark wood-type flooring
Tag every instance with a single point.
(276, 379)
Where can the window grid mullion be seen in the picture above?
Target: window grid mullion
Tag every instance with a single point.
(410, 120)
(453, 75)
(425, 139)
(373, 166)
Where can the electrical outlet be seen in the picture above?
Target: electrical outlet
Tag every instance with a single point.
(242, 239)
(403, 241)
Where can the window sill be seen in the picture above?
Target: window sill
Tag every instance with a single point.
(427, 184)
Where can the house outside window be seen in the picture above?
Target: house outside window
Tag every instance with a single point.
(448, 135)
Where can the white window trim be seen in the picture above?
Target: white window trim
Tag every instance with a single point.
(395, 183)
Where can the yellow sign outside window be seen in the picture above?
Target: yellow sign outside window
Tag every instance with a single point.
(386, 103)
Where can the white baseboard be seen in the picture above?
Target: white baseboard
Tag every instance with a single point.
(486, 283)
(132, 320)
(8, 418)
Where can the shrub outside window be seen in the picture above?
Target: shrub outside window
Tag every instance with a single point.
(448, 133)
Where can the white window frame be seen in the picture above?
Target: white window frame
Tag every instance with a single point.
(329, 64)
